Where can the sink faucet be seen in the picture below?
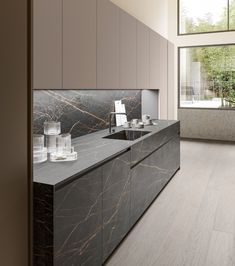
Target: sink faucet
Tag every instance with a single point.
(110, 119)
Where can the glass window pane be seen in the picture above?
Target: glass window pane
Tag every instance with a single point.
(203, 16)
(207, 77)
(232, 15)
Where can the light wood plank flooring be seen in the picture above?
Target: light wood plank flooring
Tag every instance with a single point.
(192, 222)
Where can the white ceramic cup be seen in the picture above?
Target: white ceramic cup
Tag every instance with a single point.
(145, 117)
(127, 125)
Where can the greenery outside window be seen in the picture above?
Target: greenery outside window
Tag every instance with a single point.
(207, 76)
(201, 16)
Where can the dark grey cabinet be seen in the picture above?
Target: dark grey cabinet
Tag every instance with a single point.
(47, 44)
(116, 202)
(151, 175)
(142, 56)
(79, 44)
(107, 45)
(78, 221)
(127, 51)
(68, 222)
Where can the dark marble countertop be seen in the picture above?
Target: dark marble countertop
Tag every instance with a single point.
(93, 150)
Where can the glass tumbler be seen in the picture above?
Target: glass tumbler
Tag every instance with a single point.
(67, 142)
(38, 142)
(52, 128)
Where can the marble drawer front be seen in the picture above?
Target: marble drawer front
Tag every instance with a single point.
(143, 148)
(150, 176)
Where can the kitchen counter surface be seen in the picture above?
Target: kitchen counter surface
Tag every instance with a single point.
(93, 150)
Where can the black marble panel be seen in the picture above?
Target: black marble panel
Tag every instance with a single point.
(78, 222)
(143, 148)
(43, 225)
(116, 202)
(82, 111)
(151, 175)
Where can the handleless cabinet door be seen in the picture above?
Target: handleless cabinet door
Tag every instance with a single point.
(47, 44)
(151, 175)
(107, 45)
(142, 56)
(154, 60)
(163, 79)
(127, 51)
(171, 85)
(116, 202)
(158, 69)
(78, 221)
(79, 44)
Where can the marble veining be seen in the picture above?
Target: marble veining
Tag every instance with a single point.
(81, 111)
(151, 175)
(81, 221)
(93, 150)
(78, 221)
(116, 202)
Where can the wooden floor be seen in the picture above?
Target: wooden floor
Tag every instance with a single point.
(192, 222)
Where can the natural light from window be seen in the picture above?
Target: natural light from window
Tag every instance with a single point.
(198, 16)
(207, 77)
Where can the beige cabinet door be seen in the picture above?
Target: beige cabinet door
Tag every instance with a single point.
(171, 82)
(47, 44)
(79, 44)
(158, 70)
(107, 45)
(154, 60)
(163, 79)
(142, 56)
(127, 51)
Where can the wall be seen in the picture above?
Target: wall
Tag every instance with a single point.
(153, 13)
(190, 118)
(14, 134)
(82, 111)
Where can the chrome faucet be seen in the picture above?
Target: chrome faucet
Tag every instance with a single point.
(110, 119)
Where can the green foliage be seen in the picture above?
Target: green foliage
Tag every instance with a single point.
(217, 62)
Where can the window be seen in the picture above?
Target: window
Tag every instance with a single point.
(198, 16)
(207, 77)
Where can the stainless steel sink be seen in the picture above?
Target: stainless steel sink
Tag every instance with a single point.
(127, 135)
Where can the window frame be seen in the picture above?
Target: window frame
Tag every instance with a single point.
(204, 32)
(178, 78)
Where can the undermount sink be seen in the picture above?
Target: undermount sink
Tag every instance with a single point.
(127, 135)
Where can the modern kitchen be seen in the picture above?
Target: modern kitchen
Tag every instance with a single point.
(125, 133)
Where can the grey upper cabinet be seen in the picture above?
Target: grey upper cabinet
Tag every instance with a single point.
(107, 45)
(142, 56)
(47, 44)
(158, 70)
(154, 60)
(163, 79)
(79, 44)
(171, 91)
(127, 51)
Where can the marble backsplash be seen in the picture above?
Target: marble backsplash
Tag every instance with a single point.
(81, 111)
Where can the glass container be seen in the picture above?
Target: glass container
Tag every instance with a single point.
(52, 128)
(38, 142)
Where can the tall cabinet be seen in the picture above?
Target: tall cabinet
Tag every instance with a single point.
(79, 44)
(47, 44)
(93, 44)
(107, 45)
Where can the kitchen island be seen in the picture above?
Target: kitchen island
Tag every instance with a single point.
(84, 209)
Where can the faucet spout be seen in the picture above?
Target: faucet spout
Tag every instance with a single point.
(110, 119)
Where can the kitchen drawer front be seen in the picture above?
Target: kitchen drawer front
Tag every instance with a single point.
(151, 175)
(116, 202)
(144, 148)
